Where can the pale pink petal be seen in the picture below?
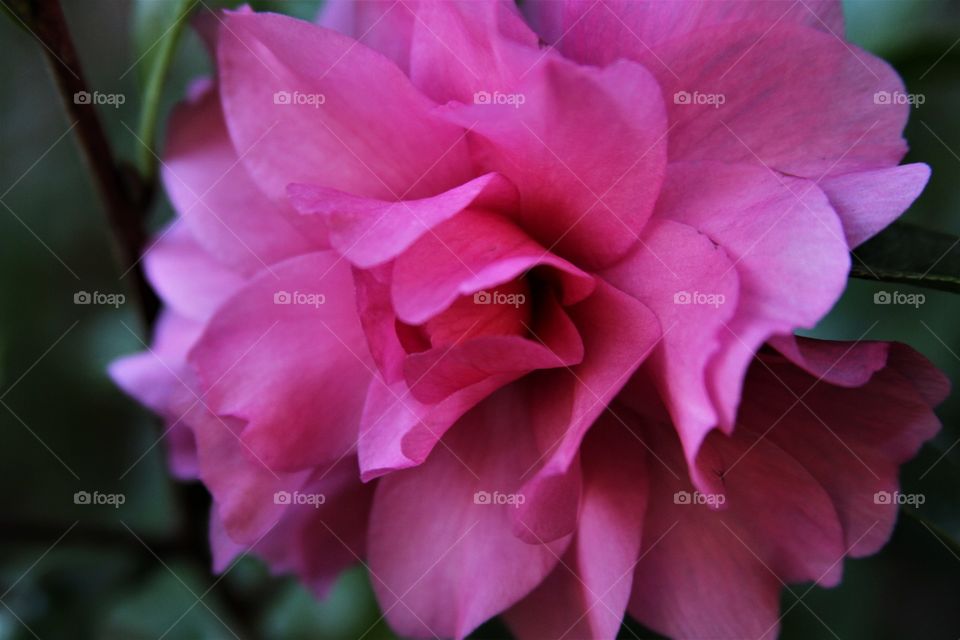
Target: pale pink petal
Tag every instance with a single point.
(305, 104)
(383, 25)
(397, 431)
(868, 201)
(212, 192)
(187, 278)
(160, 380)
(442, 560)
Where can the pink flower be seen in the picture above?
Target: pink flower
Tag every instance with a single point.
(512, 324)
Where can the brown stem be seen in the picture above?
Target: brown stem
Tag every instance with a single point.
(125, 197)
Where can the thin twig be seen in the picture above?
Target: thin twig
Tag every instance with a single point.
(126, 197)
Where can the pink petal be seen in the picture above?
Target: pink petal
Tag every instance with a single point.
(397, 431)
(600, 32)
(442, 563)
(852, 440)
(691, 285)
(215, 196)
(619, 333)
(477, 250)
(385, 26)
(434, 374)
(160, 380)
(458, 48)
(782, 236)
(765, 120)
(267, 351)
(682, 583)
(187, 278)
(371, 135)
(586, 190)
(837, 363)
(369, 232)
(868, 201)
(315, 541)
(586, 596)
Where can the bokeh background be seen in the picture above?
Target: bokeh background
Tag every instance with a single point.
(141, 570)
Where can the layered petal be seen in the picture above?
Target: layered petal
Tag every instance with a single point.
(787, 246)
(691, 285)
(441, 554)
(601, 32)
(475, 251)
(462, 48)
(618, 333)
(586, 190)
(868, 201)
(269, 351)
(586, 594)
(727, 100)
(215, 196)
(369, 232)
(305, 104)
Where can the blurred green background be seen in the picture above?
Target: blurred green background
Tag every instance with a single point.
(138, 571)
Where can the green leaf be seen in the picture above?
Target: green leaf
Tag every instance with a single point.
(157, 28)
(909, 254)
